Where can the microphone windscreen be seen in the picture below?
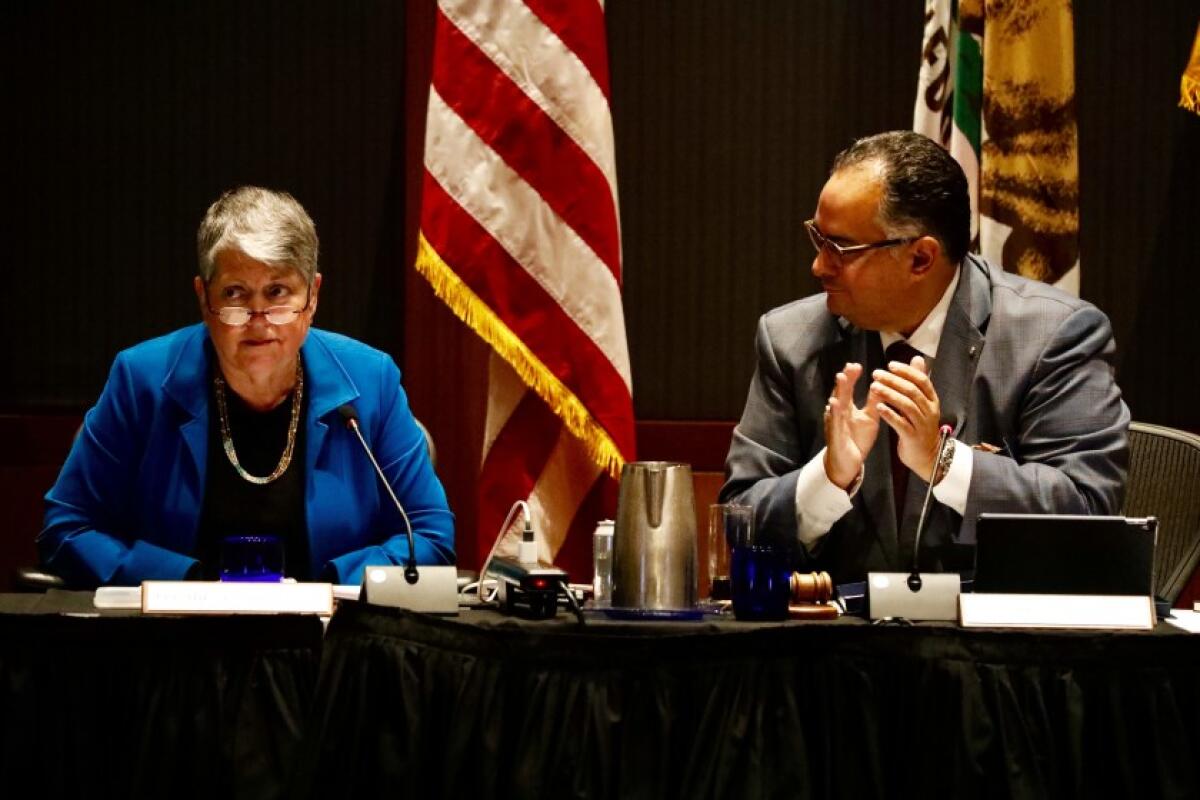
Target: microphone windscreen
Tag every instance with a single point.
(348, 412)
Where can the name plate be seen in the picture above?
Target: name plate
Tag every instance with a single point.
(1120, 612)
(215, 597)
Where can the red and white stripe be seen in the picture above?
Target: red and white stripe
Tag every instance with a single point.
(520, 203)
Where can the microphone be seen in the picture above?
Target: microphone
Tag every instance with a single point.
(350, 415)
(893, 596)
(914, 579)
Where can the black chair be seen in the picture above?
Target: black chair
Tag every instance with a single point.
(1164, 482)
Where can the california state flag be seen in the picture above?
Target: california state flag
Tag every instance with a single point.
(520, 238)
(997, 88)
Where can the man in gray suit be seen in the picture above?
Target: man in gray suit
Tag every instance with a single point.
(834, 432)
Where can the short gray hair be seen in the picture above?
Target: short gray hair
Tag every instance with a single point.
(266, 225)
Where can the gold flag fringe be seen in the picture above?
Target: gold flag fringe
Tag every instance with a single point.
(1189, 94)
(1189, 84)
(467, 306)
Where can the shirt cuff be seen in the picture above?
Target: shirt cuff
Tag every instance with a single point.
(819, 501)
(952, 489)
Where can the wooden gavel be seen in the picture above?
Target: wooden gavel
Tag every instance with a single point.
(811, 587)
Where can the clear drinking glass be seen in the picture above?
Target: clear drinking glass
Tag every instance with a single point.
(727, 523)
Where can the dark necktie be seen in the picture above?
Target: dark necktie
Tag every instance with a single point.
(904, 352)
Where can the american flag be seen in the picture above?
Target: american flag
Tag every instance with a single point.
(520, 237)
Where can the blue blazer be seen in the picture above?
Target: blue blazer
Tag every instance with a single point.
(127, 504)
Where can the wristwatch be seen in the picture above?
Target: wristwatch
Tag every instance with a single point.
(857, 483)
(944, 459)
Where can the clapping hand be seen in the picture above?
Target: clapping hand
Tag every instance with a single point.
(850, 431)
(903, 396)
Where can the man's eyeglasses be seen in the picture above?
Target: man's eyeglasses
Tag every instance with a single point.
(821, 242)
(237, 316)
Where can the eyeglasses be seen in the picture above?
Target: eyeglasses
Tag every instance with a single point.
(237, 316)
(821, 242)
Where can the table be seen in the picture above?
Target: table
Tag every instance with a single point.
(120, 705)
(487, 706)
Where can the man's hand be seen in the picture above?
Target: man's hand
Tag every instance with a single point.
(904, 398)
(849, 431)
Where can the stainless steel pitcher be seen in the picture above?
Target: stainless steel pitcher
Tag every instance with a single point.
(654, 544)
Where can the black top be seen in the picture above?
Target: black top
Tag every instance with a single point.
(234, 506)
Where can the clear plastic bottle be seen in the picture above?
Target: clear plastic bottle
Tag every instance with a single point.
(602, 565)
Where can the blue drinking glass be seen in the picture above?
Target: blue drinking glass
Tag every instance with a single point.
(760, 578)
(256, 559)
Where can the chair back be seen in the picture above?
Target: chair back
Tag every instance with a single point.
(429, 445)
(1164, 482)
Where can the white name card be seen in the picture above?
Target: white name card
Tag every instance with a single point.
(215, 597)
(1129, 612)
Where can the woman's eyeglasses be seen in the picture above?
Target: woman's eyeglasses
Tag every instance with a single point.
(237, 316)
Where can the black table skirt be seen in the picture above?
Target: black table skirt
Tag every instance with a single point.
(129, 706)
(481, 706)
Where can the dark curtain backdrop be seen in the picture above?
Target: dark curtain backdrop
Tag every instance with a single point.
(125, 119)
(726, 120)
(728, 115)
(1139, 159)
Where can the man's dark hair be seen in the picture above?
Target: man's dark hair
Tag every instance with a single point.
(923, 187)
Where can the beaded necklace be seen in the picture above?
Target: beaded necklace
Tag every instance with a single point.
(227, 438)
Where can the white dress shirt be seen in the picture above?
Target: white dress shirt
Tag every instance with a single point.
(820, 502)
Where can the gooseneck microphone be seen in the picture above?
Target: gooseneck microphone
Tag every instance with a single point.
(914, 579)
(350, 415)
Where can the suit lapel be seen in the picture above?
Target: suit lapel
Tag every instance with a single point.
(329, 387)
(186, 384)
(961, 344)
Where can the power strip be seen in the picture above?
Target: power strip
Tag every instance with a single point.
(528, 589)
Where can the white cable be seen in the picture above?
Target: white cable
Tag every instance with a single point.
(487, 562)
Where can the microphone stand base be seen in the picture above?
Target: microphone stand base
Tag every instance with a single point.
(435, 592)
(889, 596)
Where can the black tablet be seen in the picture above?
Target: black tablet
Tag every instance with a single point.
(1065, 554)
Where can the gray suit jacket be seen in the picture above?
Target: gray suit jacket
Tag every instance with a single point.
(1020, 365)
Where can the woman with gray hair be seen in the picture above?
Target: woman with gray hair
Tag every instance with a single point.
(231, 428)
